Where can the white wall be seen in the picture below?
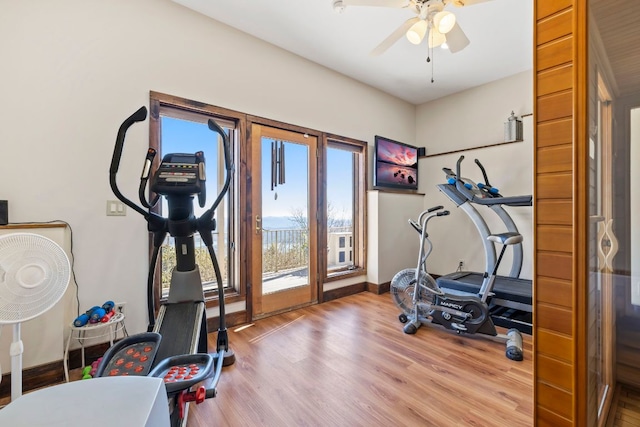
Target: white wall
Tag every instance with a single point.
(398, 241)
(72, 70)
(477, 116)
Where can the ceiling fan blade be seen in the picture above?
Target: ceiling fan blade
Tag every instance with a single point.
(456, 39)
(394, 37)
(461, 3)
(377, 3)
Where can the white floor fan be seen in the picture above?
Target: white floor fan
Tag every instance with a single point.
(34, 275)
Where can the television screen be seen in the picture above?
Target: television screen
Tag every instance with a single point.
(395, 164)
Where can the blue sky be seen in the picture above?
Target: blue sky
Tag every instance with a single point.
(181, 136)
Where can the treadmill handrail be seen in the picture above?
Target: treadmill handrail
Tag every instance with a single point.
(488, 201)
(525, 200)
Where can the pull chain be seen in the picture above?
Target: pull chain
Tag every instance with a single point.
(430, 54)
(429, 60)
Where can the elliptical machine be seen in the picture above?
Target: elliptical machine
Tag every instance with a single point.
(422, 301)
(177, 340)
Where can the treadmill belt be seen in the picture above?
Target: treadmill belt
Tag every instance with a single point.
(512, 318)
(507, 288)
(177, 328)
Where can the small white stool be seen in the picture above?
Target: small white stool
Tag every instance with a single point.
(93, 331)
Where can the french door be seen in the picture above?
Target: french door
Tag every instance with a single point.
(284, 259)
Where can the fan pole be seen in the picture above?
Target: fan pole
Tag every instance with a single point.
(16, 351)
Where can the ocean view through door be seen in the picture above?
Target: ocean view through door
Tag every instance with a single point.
(284, 225)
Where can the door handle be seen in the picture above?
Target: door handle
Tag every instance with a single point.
(258, 224)
(607, 245)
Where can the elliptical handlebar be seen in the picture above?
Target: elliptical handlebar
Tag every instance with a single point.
(138, 116)
(227, 163)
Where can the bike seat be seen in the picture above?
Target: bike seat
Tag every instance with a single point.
(508, 238)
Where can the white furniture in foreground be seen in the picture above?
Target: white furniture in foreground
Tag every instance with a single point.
(124, 401)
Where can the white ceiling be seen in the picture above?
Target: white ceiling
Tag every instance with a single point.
(500, 31)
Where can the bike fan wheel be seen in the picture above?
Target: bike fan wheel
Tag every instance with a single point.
(403, 287)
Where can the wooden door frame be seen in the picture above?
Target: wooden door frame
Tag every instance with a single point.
(249, 212)
(607, 327)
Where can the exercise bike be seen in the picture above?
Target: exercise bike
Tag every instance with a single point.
(422, 301)
(175, 345)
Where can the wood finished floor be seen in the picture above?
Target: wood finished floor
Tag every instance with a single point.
(348, 363)
(625, 408)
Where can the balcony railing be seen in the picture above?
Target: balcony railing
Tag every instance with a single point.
(282, 250)
(288, 248)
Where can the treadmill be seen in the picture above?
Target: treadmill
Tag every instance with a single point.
(511, 300)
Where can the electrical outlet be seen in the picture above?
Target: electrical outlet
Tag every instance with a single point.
(120, 307)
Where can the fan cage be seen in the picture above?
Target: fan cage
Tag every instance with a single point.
(34, 275)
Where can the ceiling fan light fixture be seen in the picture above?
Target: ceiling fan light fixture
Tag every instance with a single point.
(417, 32)
(338, 6)
(457, 39)
(444, 21)
(436, 38)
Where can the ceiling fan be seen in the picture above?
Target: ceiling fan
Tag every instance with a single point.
(432, 22)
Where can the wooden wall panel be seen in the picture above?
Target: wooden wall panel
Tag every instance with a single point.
(555, 105)
(550, 7)
(554, 186)
(551, 419)
(555, 53)
(556, 212)
(555, 291)
(553, 369)
(554, 345)
(555, 27)
(559, 395)
(555, 265)
(553, 318)
(556, 158)
(555, 80)
(554, 238)
(554, 399)
(555, 132)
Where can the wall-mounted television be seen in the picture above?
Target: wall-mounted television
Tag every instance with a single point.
(395, 164)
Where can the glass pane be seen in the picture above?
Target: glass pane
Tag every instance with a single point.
(184, 136)
(614, 137)
(285, 215)
(340, 193)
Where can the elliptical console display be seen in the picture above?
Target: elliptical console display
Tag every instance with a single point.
(180, 174)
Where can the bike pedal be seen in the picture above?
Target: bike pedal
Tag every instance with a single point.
(459, 327)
